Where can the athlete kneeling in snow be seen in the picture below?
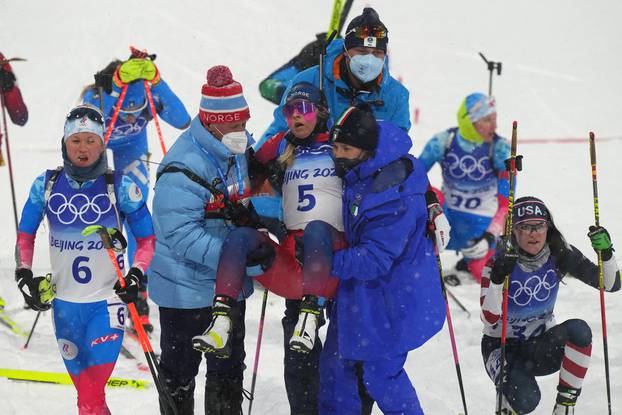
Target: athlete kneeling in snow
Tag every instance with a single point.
(88, 316)
(475, 184)
(299, 162)
(536, 259)
(389, 297)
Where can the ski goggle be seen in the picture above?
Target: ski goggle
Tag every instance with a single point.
(134, 110)
(302, 107)
(363, 32)
(86, 111)
(537, 228)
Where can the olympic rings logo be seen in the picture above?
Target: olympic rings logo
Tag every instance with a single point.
(534, 289)
(467, 166)
(89, 211)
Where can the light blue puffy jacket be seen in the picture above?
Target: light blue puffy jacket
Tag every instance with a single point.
(182, 273)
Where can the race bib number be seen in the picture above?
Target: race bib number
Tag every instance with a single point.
(117, 313)
(481, 202)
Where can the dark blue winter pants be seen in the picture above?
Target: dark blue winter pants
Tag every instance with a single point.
(386, 382)
(538, 356)
(301, 370)
(179, 362)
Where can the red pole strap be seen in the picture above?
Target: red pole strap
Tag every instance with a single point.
(155, 116)
(117, 108)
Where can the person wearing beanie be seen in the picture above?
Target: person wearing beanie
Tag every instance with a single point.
(355, 71)
(376, 318)
(128, 140)
(298, 165)
(201, 195)
(536, 258)
(475, 184)
(83, 290)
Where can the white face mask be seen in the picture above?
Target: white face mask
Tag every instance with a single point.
(235, 141)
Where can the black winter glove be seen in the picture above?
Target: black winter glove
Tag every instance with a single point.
(310, 54)
(504, 262)
(240, 215)
(129, 293)
(263, 256)
(7, 80)
(31, 289)
(104, 80)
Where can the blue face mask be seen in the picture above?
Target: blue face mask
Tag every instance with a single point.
(366, 67)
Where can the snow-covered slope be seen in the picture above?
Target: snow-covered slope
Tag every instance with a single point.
(560, 79)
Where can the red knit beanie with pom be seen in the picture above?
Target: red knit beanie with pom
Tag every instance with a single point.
(222, 99)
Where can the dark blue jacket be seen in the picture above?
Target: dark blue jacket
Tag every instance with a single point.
(389, 299)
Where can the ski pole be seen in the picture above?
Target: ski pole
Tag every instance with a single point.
(155, 116)
(8, 156)
(154, 368)
(117, 108)
(329, 39)
(452, 337)
(453, 297)
(32, 329)
(258, 349)
(603, 316)
(492, 66)
(512, 165)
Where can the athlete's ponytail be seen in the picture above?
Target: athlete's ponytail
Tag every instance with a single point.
(288, 156)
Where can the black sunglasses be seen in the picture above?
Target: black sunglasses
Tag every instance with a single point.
(91, 113)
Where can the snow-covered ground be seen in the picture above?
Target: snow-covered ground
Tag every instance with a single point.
(560, 79)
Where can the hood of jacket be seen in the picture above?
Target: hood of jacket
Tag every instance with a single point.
(393, 143)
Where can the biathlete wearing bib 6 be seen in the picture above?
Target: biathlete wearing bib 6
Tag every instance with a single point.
(88, 317)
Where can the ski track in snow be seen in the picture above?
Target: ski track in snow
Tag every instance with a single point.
(557, 81)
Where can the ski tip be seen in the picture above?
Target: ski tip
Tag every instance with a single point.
(514, 124)
(591, 135)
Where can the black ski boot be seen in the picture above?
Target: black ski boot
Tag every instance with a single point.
(183, 398)
(223, 395)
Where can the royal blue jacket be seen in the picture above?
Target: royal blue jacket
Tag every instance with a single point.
(182, 273)
(389, 299)
(389, 101)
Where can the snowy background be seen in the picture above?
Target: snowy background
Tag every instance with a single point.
(561, 79)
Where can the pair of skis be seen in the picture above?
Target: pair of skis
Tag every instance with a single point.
(65, 379)
(8, 322)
